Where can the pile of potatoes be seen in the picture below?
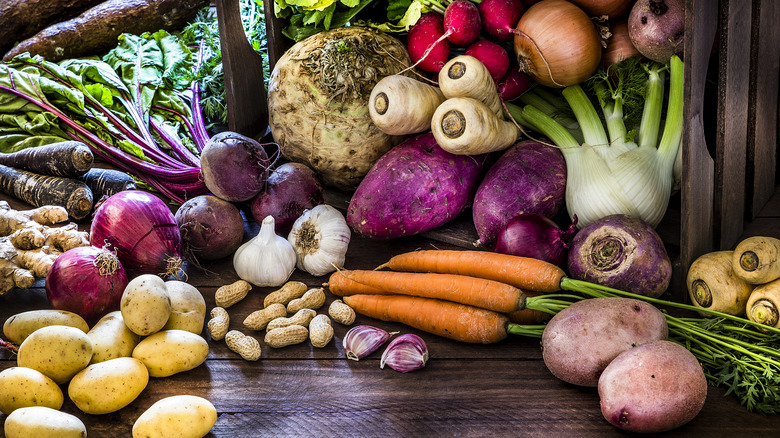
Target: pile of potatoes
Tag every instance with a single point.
(156, 333)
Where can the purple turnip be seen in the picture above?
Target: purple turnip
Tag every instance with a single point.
(657, 28)
(291, 188)
(234, 167)
(211, 228)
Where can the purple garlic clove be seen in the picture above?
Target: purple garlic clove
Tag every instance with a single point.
(405, 353)
(362, 340)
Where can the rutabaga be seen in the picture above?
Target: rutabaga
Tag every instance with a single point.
(608, 173)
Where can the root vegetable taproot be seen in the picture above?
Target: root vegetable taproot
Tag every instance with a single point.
(107, 182)
(467, 76)
(712, 284)
(427, 44)
(400, 105)
(756, 259)
(70, 159)
(473, 291)
(40, 190)
(492, 55)
(763, 306)
(466, 126)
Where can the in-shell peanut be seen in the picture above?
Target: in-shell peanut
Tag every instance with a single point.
(301, 317)
(284, 336)
(230, 294)
(246, 346)
(218, 324)
(288, 292)
(320, 331)
(341, 312)
(312, 299)
(259, 319)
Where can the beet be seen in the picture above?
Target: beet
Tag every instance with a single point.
(211, 228)
(657, 28)
(291, 188)
(234, 167)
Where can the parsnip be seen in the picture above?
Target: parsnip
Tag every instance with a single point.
(764, 304)
(466, 126)
(401, 105)
(713, 285)
(466, 76)
(757, 259)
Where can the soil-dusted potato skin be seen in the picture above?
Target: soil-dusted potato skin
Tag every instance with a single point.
(582, 339)
(20, 19)
(415, 187)
(330, 130)
(97, 29)
(652, 388)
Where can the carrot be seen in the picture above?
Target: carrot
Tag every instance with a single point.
(444, 318)
(522, 272)
(529, 316)
(401, 105)
(40, 190)
(473, 291)
(107, 182)
(66, 158)
(342, 285)
(466, 126)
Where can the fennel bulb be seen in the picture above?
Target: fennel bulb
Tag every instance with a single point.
(609, 173)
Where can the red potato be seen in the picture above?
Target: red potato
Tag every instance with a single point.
(580, 341)
(655, 387)
(426, 44)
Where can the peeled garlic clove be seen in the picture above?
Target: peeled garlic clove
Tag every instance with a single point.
(362, 340)
(405, 353)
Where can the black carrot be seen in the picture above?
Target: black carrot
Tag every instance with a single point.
(68, 158)
(39, 190)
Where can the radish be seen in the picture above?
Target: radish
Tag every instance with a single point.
(492, 55)
(428, 48)
(500, 17)
(462, 22)
(514, 83)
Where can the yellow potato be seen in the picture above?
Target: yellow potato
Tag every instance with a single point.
(111, 338)
(108, 386)
(43, 422)
(188, 308)
(145, 304)
(171, 351)
(178, 416)
(25, 387)
(58, 351)
(19, 326)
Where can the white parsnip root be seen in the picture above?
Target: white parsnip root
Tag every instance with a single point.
(400, 105)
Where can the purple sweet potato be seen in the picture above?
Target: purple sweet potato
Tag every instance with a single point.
(529, 177)
(414, 187)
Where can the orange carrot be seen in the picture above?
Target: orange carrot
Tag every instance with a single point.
(487, 294)
(342, 285)
(522, 272)
(444, 318)
(529, 316)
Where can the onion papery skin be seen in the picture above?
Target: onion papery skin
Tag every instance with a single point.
(557, 38)
(142, 230)
(536, 236)
(88, 281)
(619, 45)
(611, 8)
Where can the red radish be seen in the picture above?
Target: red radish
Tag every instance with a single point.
(492, 55)
(462, 22)
(428, 48)
(500, 17)
(514, 83)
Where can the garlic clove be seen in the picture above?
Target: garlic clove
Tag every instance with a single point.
(405, 353)
(362, 340)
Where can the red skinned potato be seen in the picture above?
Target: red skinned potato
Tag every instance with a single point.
(415, 187)
(655, 387)
(581, 340)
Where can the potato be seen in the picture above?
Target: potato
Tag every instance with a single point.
(58, 351)
(178, 416)
(43, 422)
(655, 387)
(25, 387)
(19, 326)
(188, 308)
(108, 386)
(145, 304)
(171, 351)
(582, 339)
(111, 338)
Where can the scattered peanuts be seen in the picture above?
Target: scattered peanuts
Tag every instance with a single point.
(288, 292)
(246, 346)
(320, 331)
(312, 299)
(218, 324)
(301, 317)
(232, 293)
(341, 312)
(259, 319)
(284, 336)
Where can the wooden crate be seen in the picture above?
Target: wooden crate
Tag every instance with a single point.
(730, 140)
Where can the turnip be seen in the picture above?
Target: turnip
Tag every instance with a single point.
(657, 28)
(495, 57)
(211, 228)
(234, 167)
(499, 17)
(462, 22)
(426, 43)
(622, 252)
(652, 388)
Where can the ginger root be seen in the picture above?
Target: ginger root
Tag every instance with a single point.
(29, 244)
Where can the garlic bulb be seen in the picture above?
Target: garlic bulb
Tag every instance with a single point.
(265, 260)
(320, 237)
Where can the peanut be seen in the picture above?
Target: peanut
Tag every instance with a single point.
(301, 317)
(320, 331)
(218, 324)
(341, 312)
(246, 346)
(259, 319)
(312, 299)
(230, 294)
(284, 336)
(288, 292)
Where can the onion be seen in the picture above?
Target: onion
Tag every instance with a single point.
(611, 8)
(88, 281)
(619, 45)
(558, 44)
(211, 228)
(536, 236)
(142, 230)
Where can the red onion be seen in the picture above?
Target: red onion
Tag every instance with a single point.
(88, 281)
(142, 230)
(536, 236)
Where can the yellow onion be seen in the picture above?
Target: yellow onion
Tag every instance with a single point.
(611, 8)
(619, 45)
(557, 43)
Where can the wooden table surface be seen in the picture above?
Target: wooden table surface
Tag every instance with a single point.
(465, 390)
